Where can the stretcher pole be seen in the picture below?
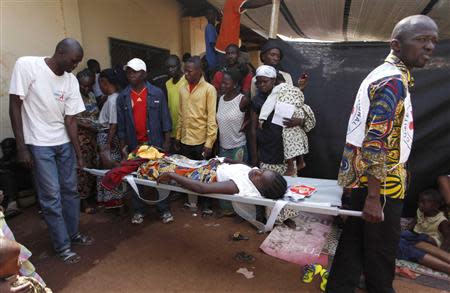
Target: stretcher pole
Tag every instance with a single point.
(311, 207)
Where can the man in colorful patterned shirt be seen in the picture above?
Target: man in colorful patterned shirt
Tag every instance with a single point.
(378, 143)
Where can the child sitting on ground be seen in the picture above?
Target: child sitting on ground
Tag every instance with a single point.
(429, 242)
(295, 140)
(10, 281)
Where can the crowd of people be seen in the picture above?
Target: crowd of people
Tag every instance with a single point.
(64, 123)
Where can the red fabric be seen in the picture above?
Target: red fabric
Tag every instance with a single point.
(192, 86)
(246, 82)
(114, 177)
(112, 204)
(217, 80)
(230, 27)
(139, 102)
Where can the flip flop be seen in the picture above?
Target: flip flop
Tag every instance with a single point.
(323, 283)
(310, 271)
(69, 257)
(9, 213)
(12, 210)
(137, 219)
(81, 239)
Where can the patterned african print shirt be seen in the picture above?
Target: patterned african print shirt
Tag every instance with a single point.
(90, 103)
(380, 152)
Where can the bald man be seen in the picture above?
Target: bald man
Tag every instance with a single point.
(44, 99)
(379, 138)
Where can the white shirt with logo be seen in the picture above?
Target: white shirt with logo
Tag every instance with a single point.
(47, 99)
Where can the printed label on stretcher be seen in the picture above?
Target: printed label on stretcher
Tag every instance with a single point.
(304, 190)
(296, 193)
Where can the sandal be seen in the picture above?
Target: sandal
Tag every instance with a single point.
(310, 271)
(207, 212)
(69, 257)
(12, 210)
(137, 219)
(323, 283)
(81, 239)
(242, 256)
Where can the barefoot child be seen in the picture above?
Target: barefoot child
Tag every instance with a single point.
(429, 242)
(295, 141)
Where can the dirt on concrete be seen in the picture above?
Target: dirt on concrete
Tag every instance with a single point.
(192, 254)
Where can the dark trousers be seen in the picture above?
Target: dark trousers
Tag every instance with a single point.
(367, 248)
(141, 207)
(195, 152)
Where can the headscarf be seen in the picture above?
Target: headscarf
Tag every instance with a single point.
(267, 71)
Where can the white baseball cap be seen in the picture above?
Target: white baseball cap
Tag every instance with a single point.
(136, 64)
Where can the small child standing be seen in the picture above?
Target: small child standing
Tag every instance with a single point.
(429, 242)
(295, 140)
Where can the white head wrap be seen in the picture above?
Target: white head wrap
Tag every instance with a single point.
(267, 71)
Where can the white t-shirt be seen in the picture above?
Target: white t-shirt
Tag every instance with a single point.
(108, 114)
(238, 173)
(96, 87)
(47, 99)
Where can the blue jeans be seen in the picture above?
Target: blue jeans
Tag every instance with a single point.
(56, 183)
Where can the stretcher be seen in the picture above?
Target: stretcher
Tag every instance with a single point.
(326, 200)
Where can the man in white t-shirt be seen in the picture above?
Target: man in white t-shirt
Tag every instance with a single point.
(44, 99)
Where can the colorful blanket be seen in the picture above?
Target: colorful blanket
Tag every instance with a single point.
(204, 171)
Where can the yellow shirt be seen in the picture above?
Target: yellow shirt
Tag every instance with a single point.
(197, 115)
(430, 226)
(173, 98)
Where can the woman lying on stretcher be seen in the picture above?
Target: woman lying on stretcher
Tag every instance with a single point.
(213, 176)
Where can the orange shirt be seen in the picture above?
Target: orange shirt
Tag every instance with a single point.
(230, 27)
(139, 104)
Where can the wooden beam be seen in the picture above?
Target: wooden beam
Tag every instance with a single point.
(274, 19)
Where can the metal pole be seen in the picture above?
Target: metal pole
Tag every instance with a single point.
(274, 19)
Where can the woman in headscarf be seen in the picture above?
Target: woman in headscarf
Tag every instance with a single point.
(266, 141)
